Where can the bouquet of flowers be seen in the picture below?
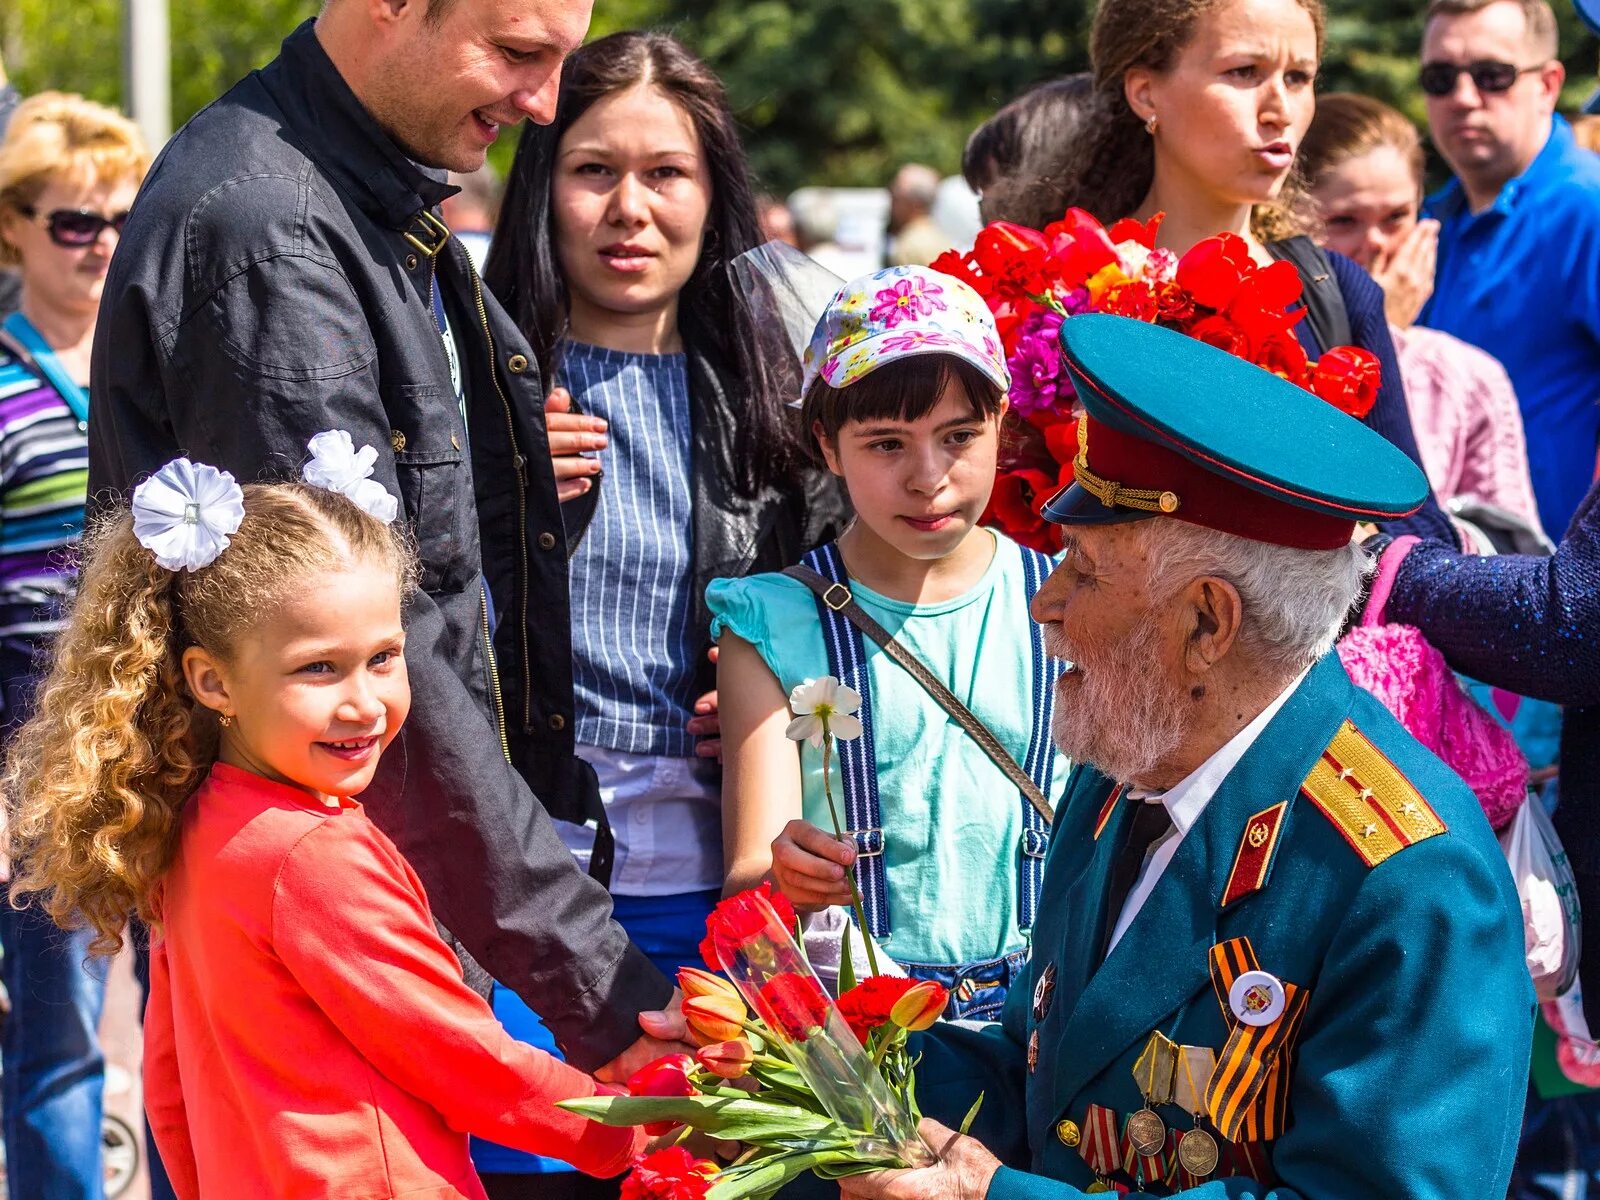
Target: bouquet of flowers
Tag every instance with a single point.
(804, 1082)
(1033, 281)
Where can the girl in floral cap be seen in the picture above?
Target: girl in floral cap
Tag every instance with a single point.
(232, 673)
(905, 385)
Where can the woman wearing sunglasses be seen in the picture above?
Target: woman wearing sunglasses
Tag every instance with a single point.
(68, 172)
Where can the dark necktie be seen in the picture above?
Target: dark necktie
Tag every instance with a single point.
(1150, 822)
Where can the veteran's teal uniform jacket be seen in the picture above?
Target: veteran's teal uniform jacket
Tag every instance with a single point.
(1359, 871)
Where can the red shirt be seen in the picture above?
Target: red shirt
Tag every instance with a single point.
(310, 1035)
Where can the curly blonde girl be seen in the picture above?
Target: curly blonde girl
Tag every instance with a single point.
(96, 781)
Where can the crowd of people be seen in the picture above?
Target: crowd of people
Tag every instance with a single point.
(408, 583)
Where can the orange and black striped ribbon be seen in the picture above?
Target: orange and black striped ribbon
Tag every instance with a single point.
(1099, 1145)
(1253, 1055)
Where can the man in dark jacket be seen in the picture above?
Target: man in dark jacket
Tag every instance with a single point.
(284, 272)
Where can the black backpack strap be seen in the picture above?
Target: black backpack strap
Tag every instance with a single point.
(1325, 310)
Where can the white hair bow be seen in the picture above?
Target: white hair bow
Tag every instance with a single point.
(185, 513)
(337, 465)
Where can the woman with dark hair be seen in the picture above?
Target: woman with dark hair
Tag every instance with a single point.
(676, 456)
(1200, 108)
(1017, 160)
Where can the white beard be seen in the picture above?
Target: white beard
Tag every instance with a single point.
(1125, 719)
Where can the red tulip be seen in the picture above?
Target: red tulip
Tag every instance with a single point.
(667, 1076)
(727, 1060)
(921, 1006)
(1143, 232)
(670, 1174)
(1348, 378)
(868, 1005)
(1014, 506)
(1213, 269)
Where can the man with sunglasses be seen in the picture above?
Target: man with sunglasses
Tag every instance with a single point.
(1519, 243)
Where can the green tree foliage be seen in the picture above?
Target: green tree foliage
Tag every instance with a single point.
(830, 91)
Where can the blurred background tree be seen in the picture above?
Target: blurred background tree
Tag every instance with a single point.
(831, 91)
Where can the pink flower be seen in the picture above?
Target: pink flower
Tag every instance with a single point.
(907, 300)
(1036, 370)
(917, 339)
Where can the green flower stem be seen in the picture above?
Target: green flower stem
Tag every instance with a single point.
(767, 1040)
(838, 832)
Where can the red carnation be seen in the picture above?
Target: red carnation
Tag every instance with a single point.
(670, 1174)
(1136, 300)
(1348, 378)
(793, 1005)
(1214, 268)
(739, 920)
(667, 1076)
(867, 1005)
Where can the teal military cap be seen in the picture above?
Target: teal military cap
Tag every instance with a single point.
(1175, 427)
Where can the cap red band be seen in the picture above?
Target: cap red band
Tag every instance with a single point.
(1206, 498)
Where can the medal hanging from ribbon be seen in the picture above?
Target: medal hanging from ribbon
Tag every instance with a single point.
(1266, 1013)
(1143, 1167)
(1146, 1132)
(1197, 1149)
(1099, 1145)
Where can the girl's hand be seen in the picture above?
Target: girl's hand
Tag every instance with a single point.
(809, 866)
(570, 435)
(706, 723)
(1406, 275)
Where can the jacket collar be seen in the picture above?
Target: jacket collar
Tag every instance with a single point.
(1548, 166)
(342, 137)
(1124, 999)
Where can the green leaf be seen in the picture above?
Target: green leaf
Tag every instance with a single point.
(972, 1114)
(847, 964)
(744, 1120)
(764, 1176)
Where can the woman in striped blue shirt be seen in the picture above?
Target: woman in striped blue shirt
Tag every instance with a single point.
(612, 253)
(68, 172)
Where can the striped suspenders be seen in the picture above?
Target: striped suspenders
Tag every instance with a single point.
(858, 763)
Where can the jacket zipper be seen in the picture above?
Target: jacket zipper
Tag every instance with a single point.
(518, 464)
(494, 672)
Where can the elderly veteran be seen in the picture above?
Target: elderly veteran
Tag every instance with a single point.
(1278, 953)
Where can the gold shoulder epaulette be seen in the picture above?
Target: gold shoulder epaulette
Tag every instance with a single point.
(1368, 800)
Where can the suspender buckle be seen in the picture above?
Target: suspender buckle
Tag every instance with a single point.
(837, 597)
(1035, 842)
(432, 236)
(869, 842)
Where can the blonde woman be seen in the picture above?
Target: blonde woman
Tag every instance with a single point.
(68, 172)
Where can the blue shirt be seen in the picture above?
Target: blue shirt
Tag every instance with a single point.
(1521, 280)
(634, 646)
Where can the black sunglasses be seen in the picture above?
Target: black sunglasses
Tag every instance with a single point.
(1488, 76)
(77, 227)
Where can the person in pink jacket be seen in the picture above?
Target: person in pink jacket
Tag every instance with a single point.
(1363, 163)
(232, 674)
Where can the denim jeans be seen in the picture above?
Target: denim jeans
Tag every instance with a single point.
(53, 1069)
(977, 989)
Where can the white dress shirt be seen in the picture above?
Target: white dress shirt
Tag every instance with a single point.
(1185, 801)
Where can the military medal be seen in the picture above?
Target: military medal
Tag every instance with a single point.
(1154, 1073)
(1033, 1052)
(1042, 992)
(1197, 1150)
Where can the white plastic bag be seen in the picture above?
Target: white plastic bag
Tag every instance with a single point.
(1550, 918)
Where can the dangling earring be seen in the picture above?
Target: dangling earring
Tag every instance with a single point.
(1150, 124)
(226, 721)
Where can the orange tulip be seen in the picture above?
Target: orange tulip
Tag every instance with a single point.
(727, 1060)
(920, 1006)
(692, 981)
(714, 1018)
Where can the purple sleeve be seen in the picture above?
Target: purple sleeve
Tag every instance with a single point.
(1528, 625)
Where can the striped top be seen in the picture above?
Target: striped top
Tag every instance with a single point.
(634, 645)
(44, 476)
